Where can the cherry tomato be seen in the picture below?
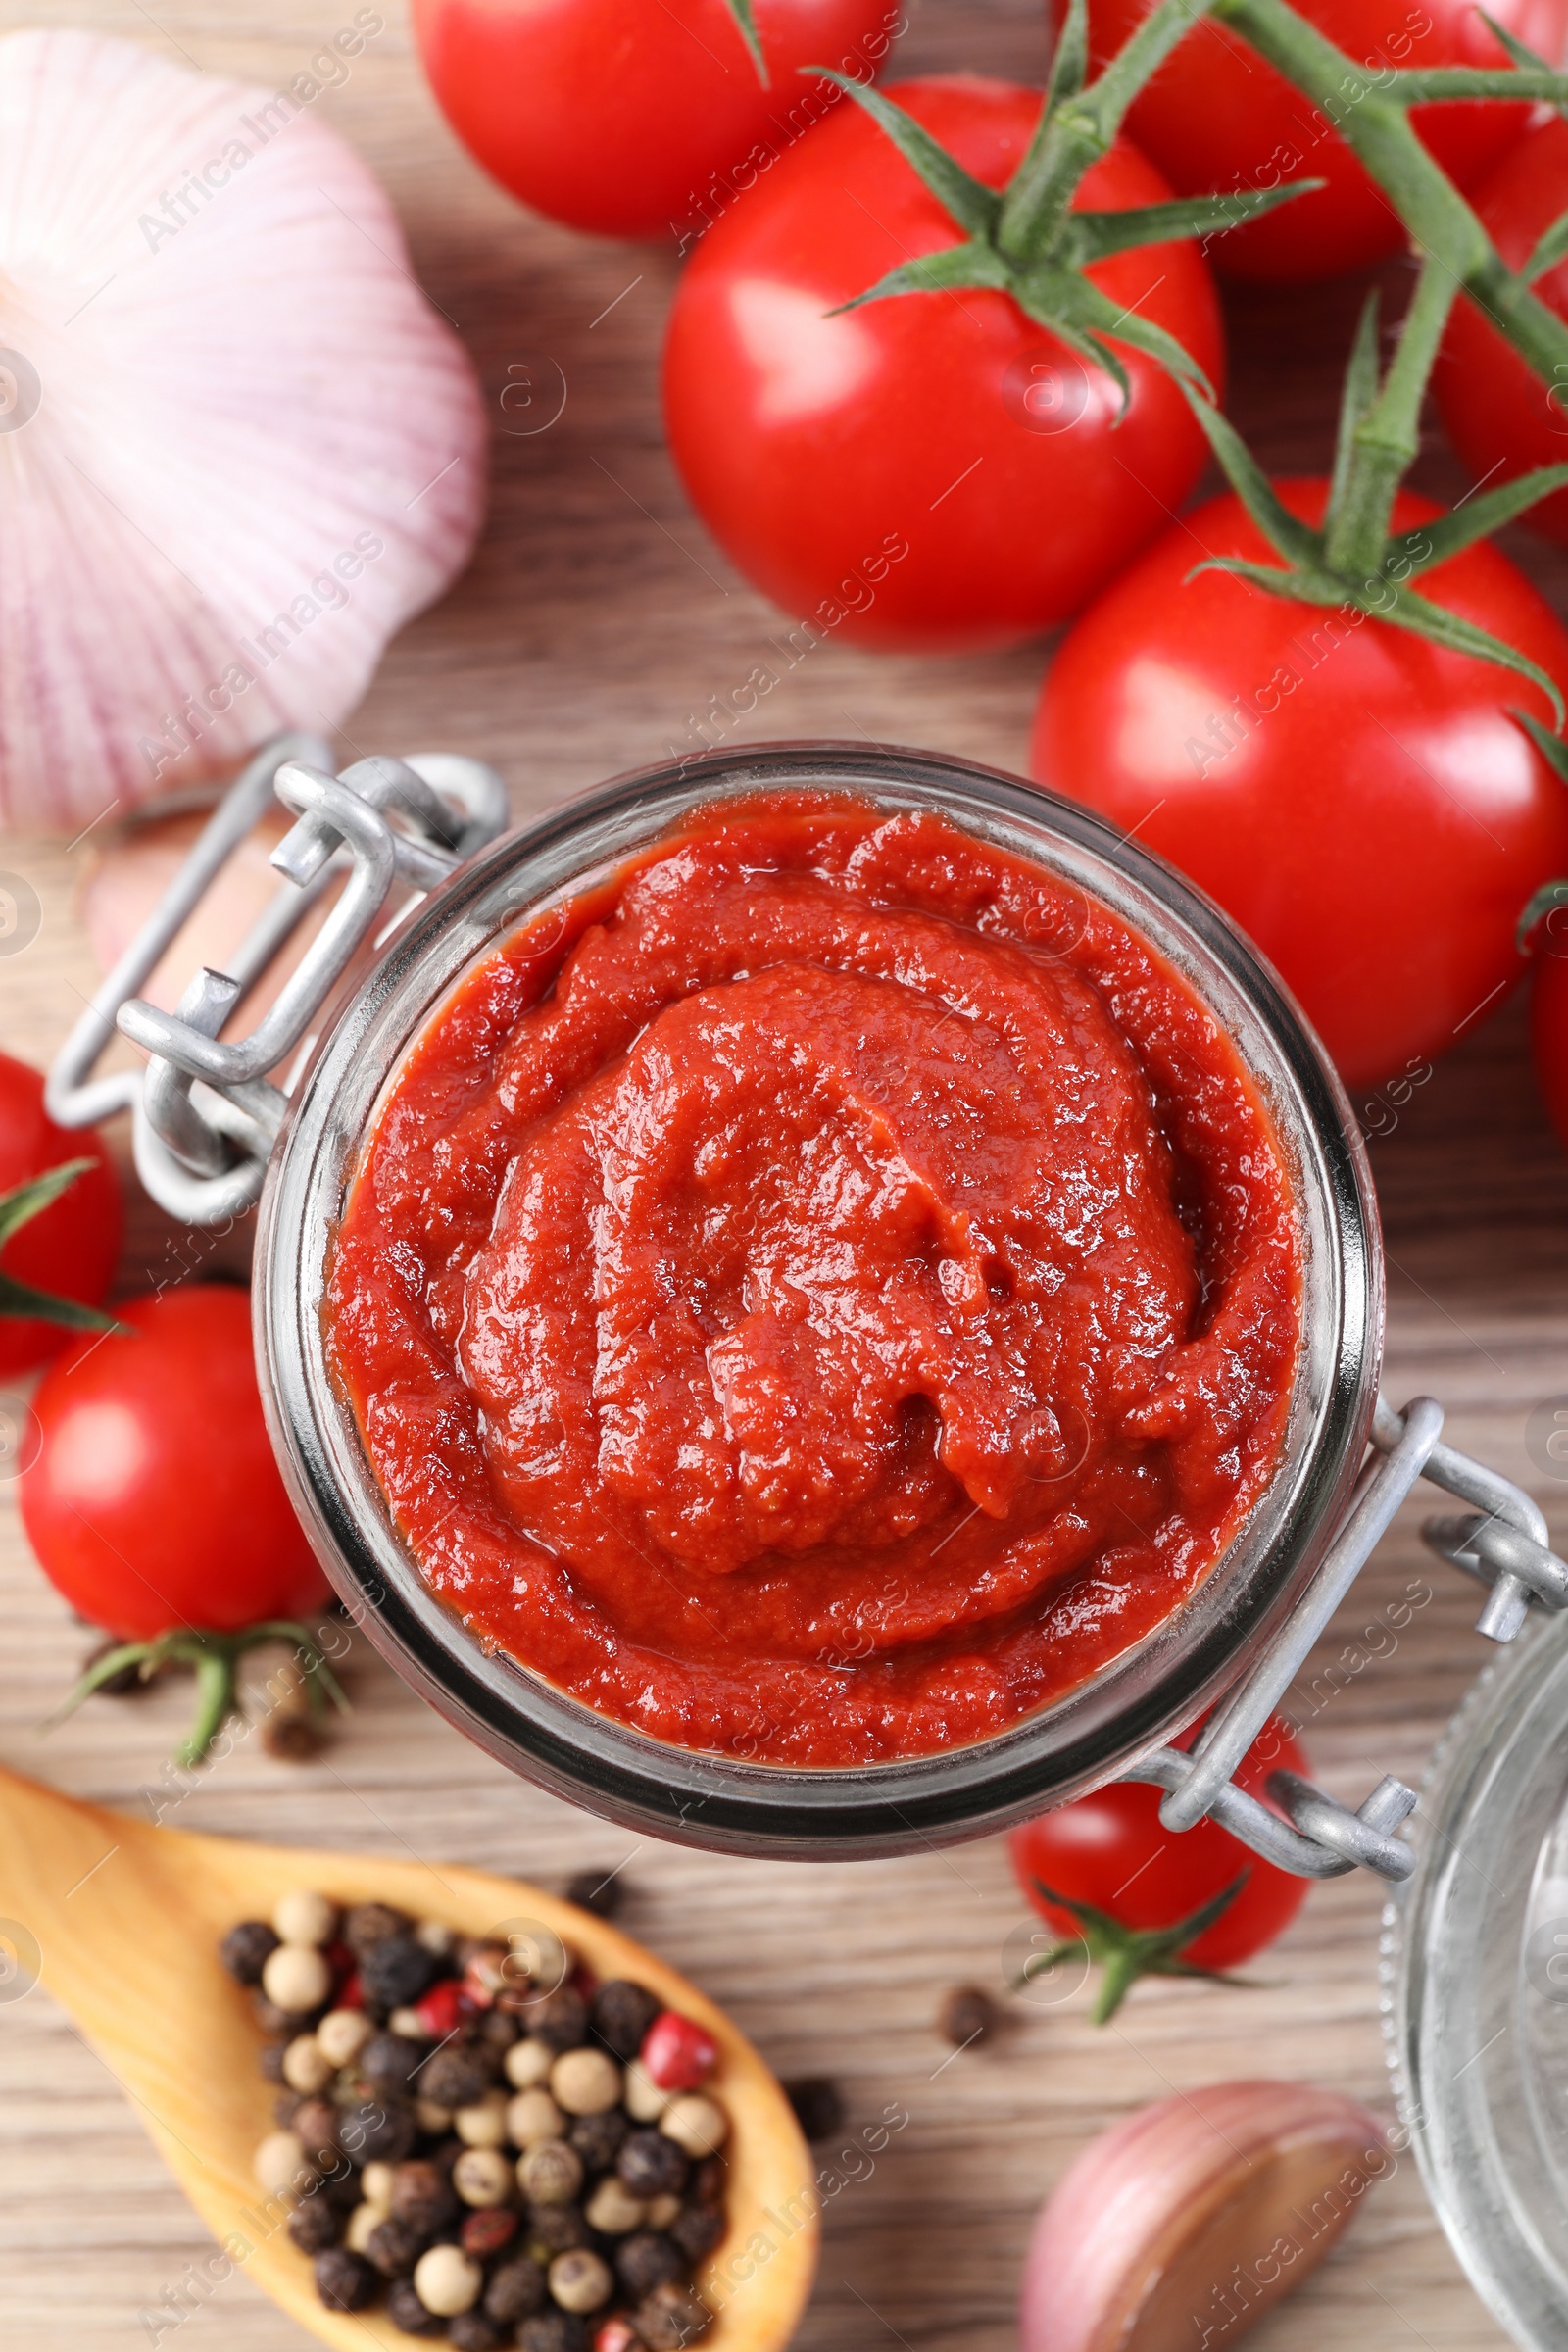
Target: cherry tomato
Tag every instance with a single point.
(638, 118)
(1358, 799)
(1110, 1850)
(932, 470)
(1216, 116)
(70, 1248)
(1500, 418)
(154, 1502)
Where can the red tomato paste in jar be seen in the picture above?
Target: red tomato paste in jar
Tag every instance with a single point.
(828, 1303)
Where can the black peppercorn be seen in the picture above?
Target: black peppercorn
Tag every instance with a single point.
(279, 2024)
(516, 2290)
(651, 2166)
(696, 2231)
(444, 2155)
(646, 2260)
(487, 2233)
(817, 2104)
(457, 2075)
(395, 1971)
(368, 1924)
(556, 2230)
(313, 2225)
(966, 2015)
(285, 2107)
(316, 2121)
(670, 2318)
(472, 2331)
(388, 2062)
(598, 1891)
(623, 2013)
(246, 1949)
(560, 2019)
(377, 2132)
(344, 2282)
(424, 2197)
(498, 2032)
(394, 2248)
(597, 2139)
(404, 2311)
(554, 2331)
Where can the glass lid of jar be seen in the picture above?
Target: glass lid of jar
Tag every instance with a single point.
(1476, 1978)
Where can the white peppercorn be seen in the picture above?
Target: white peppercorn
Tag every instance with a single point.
(642, 2099)
(585, 2082)
(613, 2210)
(579, 2282)
(531, 2117)
(361, 2223)
(307, 2068)
(699, 2126)
(409, 2023)
(343, 2035)
(483, 2177)
(376, 2185)
(297, 1979)
(436, 1936)
(432, 2118)
(304, 1917)
(281, 2165)
(483, 2124)
(528, 2064)
(550, 2174)
(662, 2211)
(447, 2280)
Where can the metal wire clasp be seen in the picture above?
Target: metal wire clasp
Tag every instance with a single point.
(1502, 1543)
(207, 1109)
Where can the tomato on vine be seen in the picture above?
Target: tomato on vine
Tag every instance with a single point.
(919, 383)
(639, 118)
(59, 1224)
(1217, 116)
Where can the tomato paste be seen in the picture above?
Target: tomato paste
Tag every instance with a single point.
(825, 1294)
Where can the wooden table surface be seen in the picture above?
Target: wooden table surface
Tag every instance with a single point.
(596, 618)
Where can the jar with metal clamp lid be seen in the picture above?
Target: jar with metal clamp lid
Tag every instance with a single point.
(217, 1131)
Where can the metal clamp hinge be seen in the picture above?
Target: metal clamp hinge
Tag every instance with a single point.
(207, 1109)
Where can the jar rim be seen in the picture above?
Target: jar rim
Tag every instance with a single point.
(1133, 1704)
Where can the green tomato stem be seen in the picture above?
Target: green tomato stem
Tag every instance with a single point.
(1384, 440)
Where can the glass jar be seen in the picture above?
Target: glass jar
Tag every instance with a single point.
(1135, 1703)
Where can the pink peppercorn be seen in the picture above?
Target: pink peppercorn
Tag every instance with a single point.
(616, 2335)
(446, 2006)
(677, 2053)
(349, 1993)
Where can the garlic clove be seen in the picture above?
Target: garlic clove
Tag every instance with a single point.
(237, 448)
(1182, 2225)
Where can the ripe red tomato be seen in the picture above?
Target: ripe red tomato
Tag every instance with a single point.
(933, 470)
(1216, 116)
(1110, 1850)
(154, 1502)
(1500, 418)
(638, 118)
(1358, 799)
(70, 1248)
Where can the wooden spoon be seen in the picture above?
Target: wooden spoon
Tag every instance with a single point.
(127, 1920)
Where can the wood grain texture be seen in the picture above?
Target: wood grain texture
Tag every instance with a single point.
(596, 619)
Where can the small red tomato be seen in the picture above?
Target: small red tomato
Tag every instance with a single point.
(154, 1502)
(932, 472)
(677, 2053)
(638, 118)
(1361, 801)
(1112, 1853)
(1217, 116)
(1499, 416)
(445, 2007)
(66, 1249)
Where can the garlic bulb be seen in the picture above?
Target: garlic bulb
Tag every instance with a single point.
(237, 448)
(1185, 2223)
